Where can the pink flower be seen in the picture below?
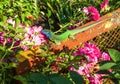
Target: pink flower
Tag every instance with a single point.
(11, 21)
(24, 47)
(29, 30)
(37, 40)
(96, 79)
(85, 10)
(88, 71)
(22, 25)
(104, 6)
(105, 56)
(91, 51)
(37, 29)
(72, 68)
(92, 11)
(33, 36)
(2, 40)
(9, 40)
(1, 33)
(60, 59)
(4, 60)
(88, 66)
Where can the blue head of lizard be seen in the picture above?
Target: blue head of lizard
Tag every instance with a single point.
(46, 32)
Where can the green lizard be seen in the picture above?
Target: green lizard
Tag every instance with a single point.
(69, 33)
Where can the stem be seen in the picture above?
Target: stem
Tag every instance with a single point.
(3, 77)
(12, 45)
(3, 56)
(36, 3)
(11, 3)
(7, 51)
(62, 27)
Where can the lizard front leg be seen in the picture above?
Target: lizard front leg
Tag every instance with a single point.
(71, 36)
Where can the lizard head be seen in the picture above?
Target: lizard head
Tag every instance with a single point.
(46, 32)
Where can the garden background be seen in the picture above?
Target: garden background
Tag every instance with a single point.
(30, 28)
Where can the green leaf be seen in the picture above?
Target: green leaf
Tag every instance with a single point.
(19, 36)
(57, 79)
(103, 62)
(2, 48)
(19, 30)
(76, 66)
(23, 17)
(42, 54)
(114, 54)
(51, 8)
(17, 22)
(6, 65)
(20, 78)
(11, 28)
(2, 24)
(107, 66)
(116, 67)
(78, 79)
(78, 58)
(1, 6)
(108, 73)
(10, 10)
(49, 13)
(13, 65)
(4, 19)
(103, 72)
(37, 78)
(12, 35)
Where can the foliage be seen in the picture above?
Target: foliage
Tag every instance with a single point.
(62, 14)
(111, 68)
(36, 78)
(5, 68)
(19, 9)
(61, 68)
(12, 13)
(66, 13)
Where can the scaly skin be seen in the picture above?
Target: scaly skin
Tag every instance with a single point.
(69, 33)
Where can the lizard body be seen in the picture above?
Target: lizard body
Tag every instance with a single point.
(69, 33)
